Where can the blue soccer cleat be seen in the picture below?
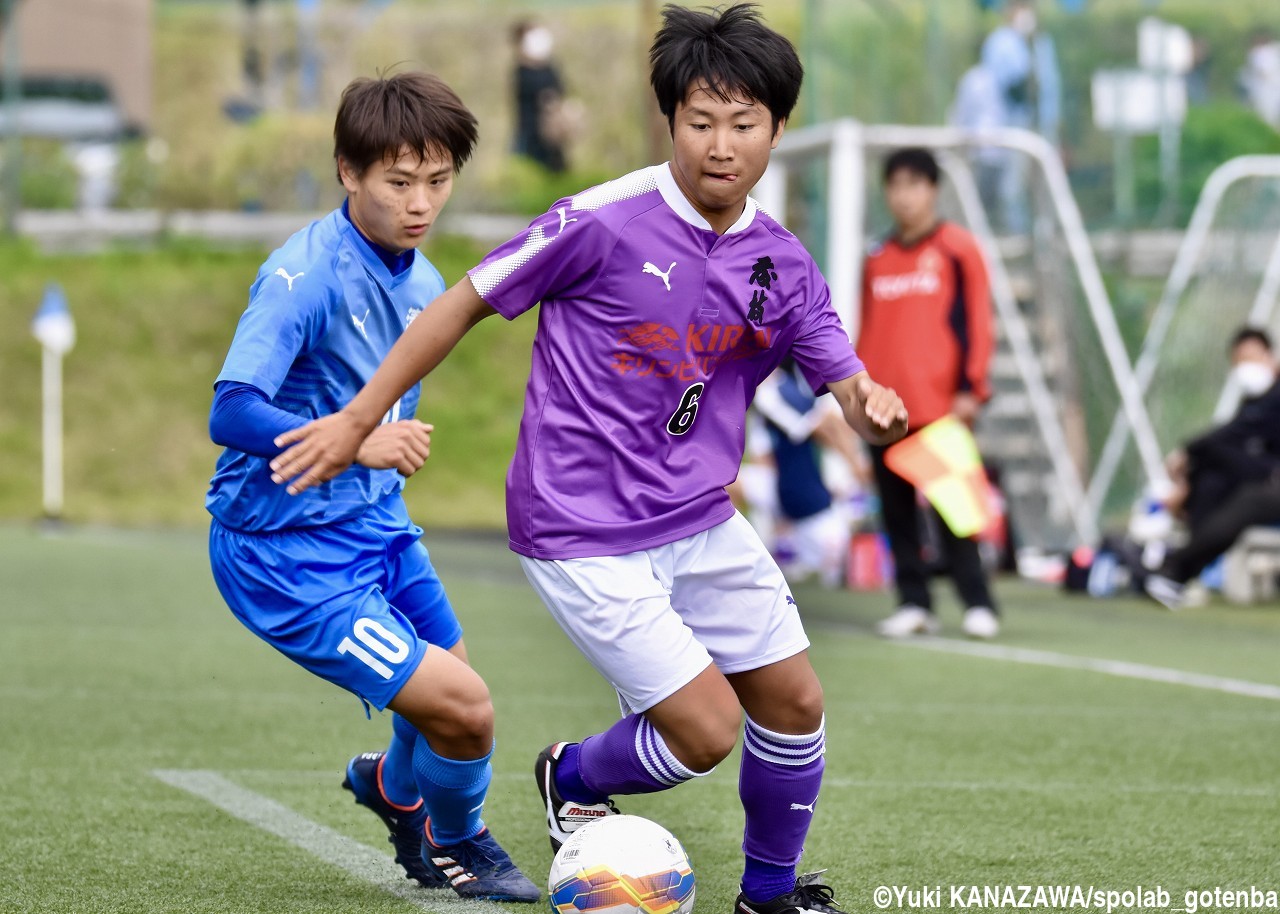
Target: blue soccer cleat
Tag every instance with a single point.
(478, 868)
(364, 780)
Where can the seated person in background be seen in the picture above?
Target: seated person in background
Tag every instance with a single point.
(1228, 479)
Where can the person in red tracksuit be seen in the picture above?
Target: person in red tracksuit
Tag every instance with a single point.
(926, 331)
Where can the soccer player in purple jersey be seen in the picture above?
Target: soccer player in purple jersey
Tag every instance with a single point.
(667, 297)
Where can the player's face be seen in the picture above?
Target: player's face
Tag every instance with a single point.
(912, 200)
(394, 202)
(720, 150)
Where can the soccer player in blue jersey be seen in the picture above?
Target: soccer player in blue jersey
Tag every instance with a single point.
(337, 579)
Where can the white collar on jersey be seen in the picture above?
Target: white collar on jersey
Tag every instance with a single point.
(676, 199)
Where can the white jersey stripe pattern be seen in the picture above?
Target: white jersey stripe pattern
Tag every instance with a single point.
(489, 277)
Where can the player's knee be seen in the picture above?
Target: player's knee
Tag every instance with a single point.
(474, 717)
(707, 744)
(804, 710)
(717, 746)
(467, 730)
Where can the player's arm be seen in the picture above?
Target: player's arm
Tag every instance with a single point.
(872, 410)
(320, 450)
(979, 339)
(242, 418)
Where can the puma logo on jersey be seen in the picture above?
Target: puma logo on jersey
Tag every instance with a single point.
(803, 806)
(359, 322)
(665, 277)
(564, 220)
(287, 278)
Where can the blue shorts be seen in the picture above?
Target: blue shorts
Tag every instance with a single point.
(355, 602)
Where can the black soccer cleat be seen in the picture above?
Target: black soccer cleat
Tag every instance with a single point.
(808, 895)
(564, 817)
(405, 826)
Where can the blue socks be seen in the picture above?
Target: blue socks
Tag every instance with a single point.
(454, 792)
(397, 781)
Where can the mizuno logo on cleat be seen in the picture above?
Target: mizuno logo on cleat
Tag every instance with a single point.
(584, 813)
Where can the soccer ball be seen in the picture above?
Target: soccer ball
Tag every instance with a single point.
(621, 865)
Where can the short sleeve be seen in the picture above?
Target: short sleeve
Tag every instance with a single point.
(279, 325)
(558, 256)
(822, 347)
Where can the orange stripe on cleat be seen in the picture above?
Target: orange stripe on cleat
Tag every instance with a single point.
(383, 792)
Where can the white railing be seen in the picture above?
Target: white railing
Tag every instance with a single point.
(845, 144)
(1184, 270)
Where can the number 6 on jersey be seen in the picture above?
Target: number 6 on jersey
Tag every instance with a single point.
(682, 419)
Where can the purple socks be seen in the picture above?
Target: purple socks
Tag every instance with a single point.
(779, 781)
(629, 757)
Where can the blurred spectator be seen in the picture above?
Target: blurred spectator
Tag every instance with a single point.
(927, 331)
(1229, 478)
(1198, 77)
(1260, 76)
(541, 130)
(978, 106)
(1023, 61)
(310, 58)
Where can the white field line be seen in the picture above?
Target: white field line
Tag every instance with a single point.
(844, 783)
(1096, 665)
(332, 847)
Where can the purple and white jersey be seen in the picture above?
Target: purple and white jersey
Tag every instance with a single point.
(653, 335)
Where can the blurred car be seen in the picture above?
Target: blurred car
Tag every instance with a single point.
(81, 114)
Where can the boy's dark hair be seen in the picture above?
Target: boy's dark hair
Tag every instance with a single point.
(915, 160)
(1245, 334)
(731, 52)
(378, 117)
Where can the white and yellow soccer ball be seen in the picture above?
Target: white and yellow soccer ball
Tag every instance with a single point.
(621, 865)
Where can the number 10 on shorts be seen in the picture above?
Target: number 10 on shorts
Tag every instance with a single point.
(375, 638)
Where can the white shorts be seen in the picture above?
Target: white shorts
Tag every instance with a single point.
(651, 621)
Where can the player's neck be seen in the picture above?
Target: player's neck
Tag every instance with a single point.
(909, 235)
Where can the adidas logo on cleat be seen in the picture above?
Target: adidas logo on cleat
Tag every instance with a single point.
(457, 875)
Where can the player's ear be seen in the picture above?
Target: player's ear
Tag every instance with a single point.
(777, 132)
(350, 180)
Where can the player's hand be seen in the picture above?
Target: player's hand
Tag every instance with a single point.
(885, 410)
(403, 446)
(965, 407)
(316, 452)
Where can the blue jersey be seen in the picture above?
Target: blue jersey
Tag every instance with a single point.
(323, 313)
(801, 490)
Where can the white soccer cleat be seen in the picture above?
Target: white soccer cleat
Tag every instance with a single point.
(980, 622)
(909, 620)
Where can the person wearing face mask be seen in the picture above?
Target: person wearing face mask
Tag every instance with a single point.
(1231, 475)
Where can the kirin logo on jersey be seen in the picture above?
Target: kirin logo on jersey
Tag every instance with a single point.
(410, 315)
(650, 337)
(924, 280)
